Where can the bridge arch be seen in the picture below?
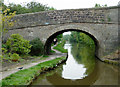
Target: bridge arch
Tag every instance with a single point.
(63, 29)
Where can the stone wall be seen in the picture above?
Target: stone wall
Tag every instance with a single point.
(90, 15)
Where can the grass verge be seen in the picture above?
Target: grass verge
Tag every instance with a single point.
(26, 76)
(60, 48)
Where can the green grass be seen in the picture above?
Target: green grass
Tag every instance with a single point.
(112, 62)
(45, 56)
(52, 51)
(60, 48)
(26, 76)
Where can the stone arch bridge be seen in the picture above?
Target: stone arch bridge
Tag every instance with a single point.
(99, 23)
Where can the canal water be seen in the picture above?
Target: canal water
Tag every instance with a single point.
(81, 68)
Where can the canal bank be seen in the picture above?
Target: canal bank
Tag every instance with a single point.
(113, 58)
(26, 76)
(81, 68)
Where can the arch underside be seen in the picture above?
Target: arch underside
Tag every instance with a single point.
(105, 36)
(50, 39)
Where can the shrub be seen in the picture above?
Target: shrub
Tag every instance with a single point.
(37, 47)
(14, 56)
(3, 45)
(16, 44)
(4, 51)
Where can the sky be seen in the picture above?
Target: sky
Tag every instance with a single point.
(67, 4)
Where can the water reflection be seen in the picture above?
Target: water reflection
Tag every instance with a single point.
(81, 68)
(72, 70)
(84, 54)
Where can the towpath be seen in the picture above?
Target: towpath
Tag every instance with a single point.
(5, 73)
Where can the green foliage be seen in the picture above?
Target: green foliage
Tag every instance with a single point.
(35, 7)
(66, 37)
(84, 54)
(75, 37)
(14, 56)
(59, 37)
(98, 5)
(109, 19)
(102, 20)
(3, 45)
(18, 8)
(52, 51)
(28, 8)
(37, 47)
(60, 48)
(4, 51)
(16, 44)
(6, 22)
(80, 37)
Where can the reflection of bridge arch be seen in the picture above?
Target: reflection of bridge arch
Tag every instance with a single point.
(85, 81)
(103, 74)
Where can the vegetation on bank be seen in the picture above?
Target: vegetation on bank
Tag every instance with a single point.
(113, 58)
(37, 47)
(26, 76)
(17, 47)
(84, 54)
(113, 62)
(60, 47)
(79, 37)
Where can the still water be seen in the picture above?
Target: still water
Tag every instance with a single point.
(81, 68)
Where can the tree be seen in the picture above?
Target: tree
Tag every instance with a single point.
(80, 37)
(98, 5)
(66, 37)
(28, 8)
(5, 21)
(18, 8)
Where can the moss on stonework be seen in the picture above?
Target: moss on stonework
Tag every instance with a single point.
(112, 62)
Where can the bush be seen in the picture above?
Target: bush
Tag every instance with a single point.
(14, 56)
(37, 47)
(16, 44)
(4, 51)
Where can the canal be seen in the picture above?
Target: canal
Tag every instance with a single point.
(81, 68)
